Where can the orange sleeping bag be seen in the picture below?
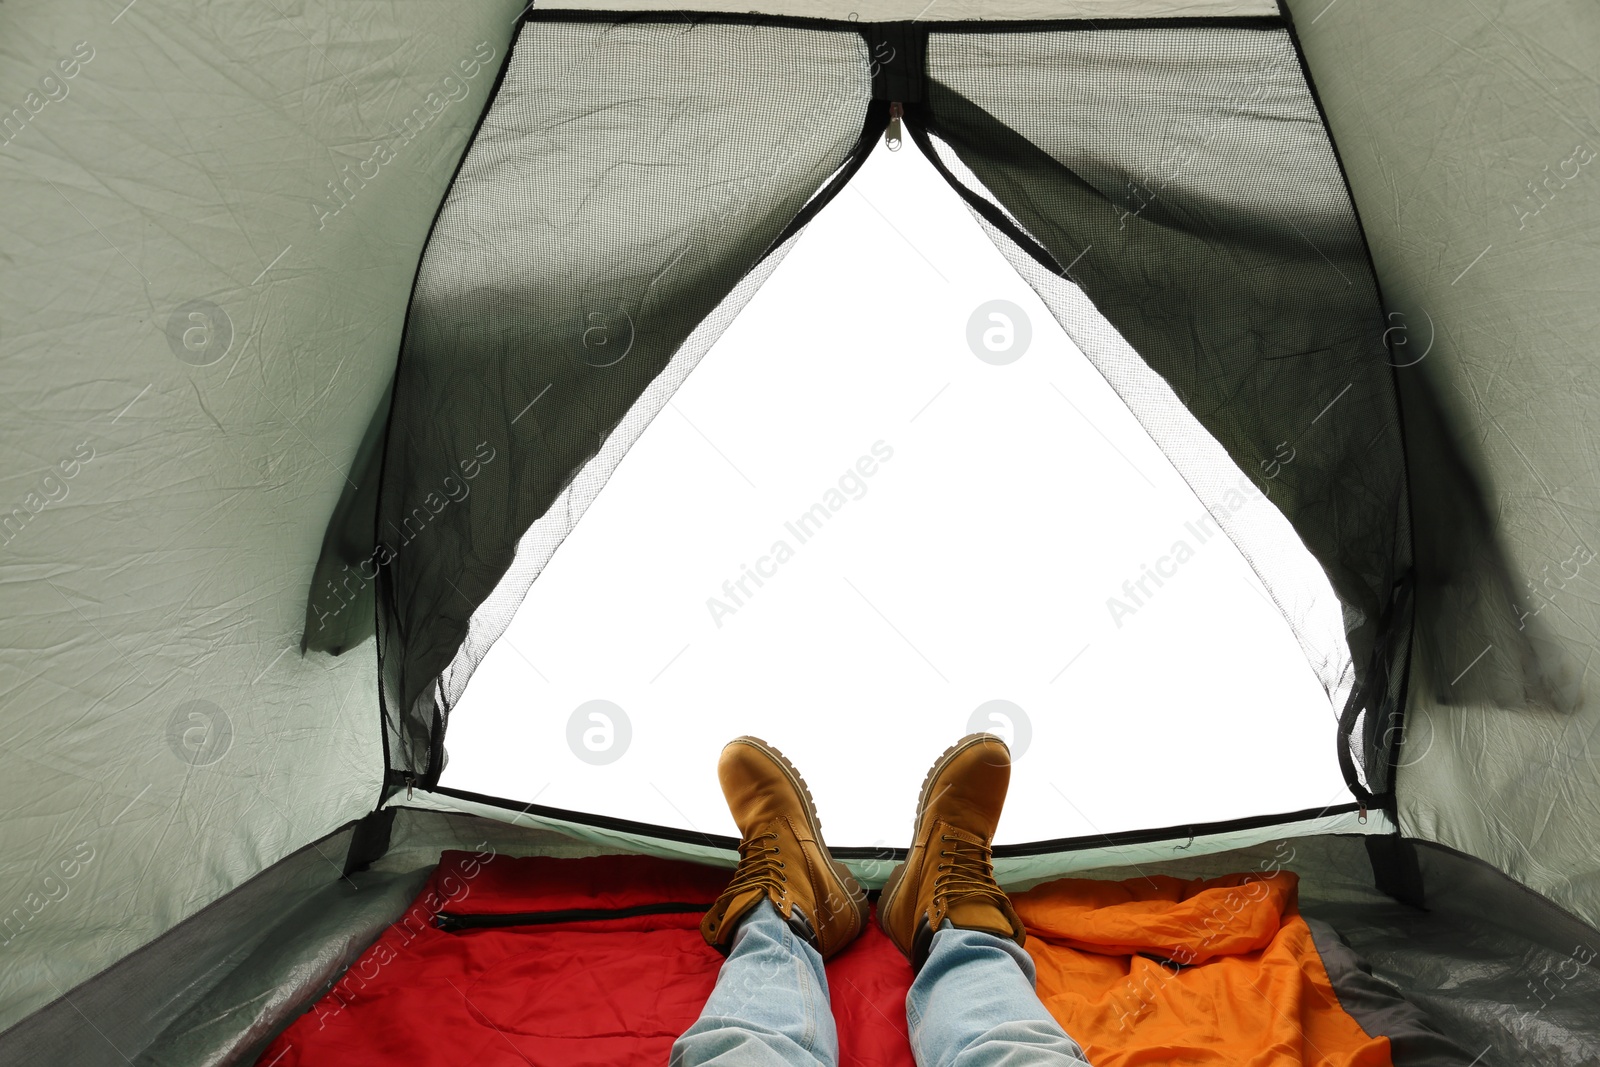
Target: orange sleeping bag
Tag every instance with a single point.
(1212, 971)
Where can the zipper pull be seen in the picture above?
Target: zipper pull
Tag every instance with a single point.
(891, 135)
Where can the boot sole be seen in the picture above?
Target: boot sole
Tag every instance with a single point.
(891, 887)
(853, 891)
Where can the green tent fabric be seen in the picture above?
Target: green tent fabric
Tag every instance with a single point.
(1480, 252)
(206, 276)
(245, 243)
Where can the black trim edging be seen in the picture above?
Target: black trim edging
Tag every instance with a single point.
(954, 26)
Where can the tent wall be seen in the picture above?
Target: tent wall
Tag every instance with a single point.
(213, 217)
(1470, 134)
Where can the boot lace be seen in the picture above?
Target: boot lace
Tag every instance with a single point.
(758, 866)
(970, 872)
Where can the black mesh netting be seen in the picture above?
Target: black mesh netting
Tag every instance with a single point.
(625, 179)
(1182, 179)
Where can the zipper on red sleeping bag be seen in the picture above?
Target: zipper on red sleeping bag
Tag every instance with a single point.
(450, 922)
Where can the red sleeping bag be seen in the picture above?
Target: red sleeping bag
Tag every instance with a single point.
(598, 962)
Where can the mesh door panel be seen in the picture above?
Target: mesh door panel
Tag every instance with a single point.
(1263, 535)
(625, 178)
(1182, 177)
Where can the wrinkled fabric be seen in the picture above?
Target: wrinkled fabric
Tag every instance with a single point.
(1146, 970)
(1206, 971)
(582, 993)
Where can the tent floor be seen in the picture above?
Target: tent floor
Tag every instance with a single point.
(1495, 966)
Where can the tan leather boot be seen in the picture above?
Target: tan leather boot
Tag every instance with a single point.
(781, 855)
(948, 872)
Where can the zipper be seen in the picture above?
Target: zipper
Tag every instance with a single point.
(892, 134)
(450, 921)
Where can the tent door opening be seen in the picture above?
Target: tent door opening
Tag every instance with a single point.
(860, 533)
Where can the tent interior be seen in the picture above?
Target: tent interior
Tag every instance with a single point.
(346, 522)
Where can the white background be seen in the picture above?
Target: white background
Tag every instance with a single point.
(975, 566)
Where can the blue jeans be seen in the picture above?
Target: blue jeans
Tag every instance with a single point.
(972, 1005)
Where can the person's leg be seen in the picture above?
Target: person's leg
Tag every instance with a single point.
(770, 1006)
(973, 1005)
(973, 1002)
(789, 906)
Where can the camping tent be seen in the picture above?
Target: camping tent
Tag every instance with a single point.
(247, 583)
